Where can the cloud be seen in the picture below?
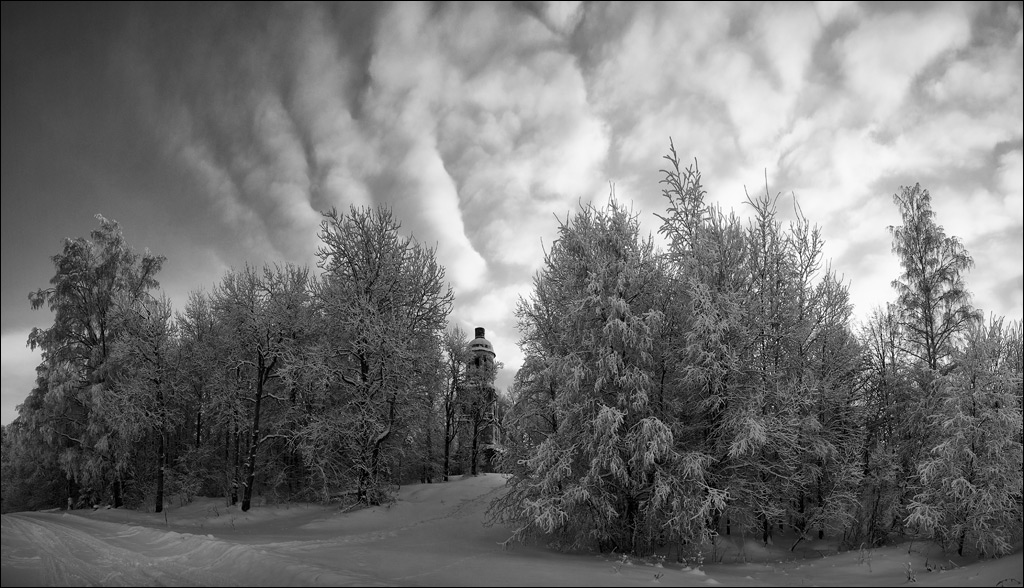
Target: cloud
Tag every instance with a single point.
(830, 12)
(788, 33)
(728, 92)
(1010, 184)
(237, 106)
(505, 108)
(18, 368)
(988, 73)
(996, 285)
(428, 203)
(985, 79)
(479, 123)
(460, 119)
(886, 51)
(1003, 240)
(836, 103)
(1005, 295)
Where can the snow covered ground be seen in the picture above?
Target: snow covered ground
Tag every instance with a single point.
(433, 535)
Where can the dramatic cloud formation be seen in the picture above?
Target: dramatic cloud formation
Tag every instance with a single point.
(218, 133)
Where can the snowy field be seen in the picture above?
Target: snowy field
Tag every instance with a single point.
(433, 535)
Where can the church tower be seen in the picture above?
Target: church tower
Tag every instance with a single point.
(483, 368)
(481, 348)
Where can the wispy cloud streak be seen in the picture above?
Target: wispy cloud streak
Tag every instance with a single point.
(479, 123)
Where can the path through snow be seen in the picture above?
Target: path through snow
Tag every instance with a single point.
(432, 535)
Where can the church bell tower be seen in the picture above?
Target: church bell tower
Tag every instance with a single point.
(483, 364)
(481, 348)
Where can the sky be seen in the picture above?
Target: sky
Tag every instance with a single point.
(217, 133)
(432, 535)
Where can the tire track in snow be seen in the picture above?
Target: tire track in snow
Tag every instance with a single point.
(51, 550)
(65, 555)
(457, 511)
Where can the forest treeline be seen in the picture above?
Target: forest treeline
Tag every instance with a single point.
(667, 397)
(278, 382)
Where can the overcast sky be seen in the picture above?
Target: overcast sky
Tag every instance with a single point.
(216, 133)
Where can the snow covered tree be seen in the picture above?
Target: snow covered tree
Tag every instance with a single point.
(140, 403)
(456, 354)
(886, 393)
(95, 277)
(824, 361)
(767, 360)
(200, 463)
(213, 386)
(787, 431)
(384, 306)
(605, 471)
(932, 297)
(971, 478)
(264, 315)
(934, 309)
(30, 476)
(709, 290)
(201, 376)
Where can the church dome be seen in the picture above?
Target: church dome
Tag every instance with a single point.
(480, 345)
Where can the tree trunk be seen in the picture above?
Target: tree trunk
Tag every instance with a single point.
(428, 465)
(161, 452)
(379, 442)
(250, 461)
(199, 426)
(474, 455)
(447, 449)
(236, 433)
(117, 491)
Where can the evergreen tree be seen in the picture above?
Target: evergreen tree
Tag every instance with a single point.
(710, 287)
(765, 388)
(971, 478)
(607, 472)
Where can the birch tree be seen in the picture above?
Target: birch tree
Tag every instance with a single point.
(94, 275)
(932, 295)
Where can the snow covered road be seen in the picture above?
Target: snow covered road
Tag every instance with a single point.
(59, 549)
(433, 535)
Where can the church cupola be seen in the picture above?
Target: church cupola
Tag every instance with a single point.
(481, 347)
